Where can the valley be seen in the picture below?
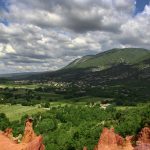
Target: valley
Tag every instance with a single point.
(71, 106)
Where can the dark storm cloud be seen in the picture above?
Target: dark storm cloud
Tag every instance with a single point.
(79, 16)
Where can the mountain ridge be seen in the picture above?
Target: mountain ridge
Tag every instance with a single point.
(121, 81)
(111, 57)
(135, 58)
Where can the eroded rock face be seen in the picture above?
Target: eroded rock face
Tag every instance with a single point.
(144, 136)
(143, 147)
(143, 142)
(29, 141)
(109, 140)
(127, 145)
(8, 133)
(29, 134)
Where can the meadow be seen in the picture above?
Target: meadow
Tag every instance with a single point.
(15, 112)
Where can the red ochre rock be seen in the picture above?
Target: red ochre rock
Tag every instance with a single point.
(127, 143)
(109, 140)
(142, 147)
(29, 134)
(144, 136)
(30, 140)
(143, 142)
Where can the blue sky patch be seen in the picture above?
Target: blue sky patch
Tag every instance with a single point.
(4, 21)
(4, 4)
(140, 5)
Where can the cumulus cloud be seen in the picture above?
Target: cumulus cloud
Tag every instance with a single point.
(48, 34)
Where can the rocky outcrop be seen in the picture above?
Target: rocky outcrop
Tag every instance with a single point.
(144, 136)
(30, 140)
(29, 134)
(143, 147)
(127, 143)
(143, 142)
(109, 140)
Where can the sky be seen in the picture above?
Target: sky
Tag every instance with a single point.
(45, 35)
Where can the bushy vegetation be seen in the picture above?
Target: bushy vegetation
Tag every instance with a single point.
(4, 121)
(72, 127)
(27, 96)
(125, 94)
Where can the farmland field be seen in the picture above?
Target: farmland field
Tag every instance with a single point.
(22, 86)
(15, 112)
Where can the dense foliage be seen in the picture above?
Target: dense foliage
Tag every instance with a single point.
(72, 127)
(126, 94)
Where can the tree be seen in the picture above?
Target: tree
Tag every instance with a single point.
(4, 121)
(46, 125)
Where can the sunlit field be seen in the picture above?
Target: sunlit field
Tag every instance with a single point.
(15, 112)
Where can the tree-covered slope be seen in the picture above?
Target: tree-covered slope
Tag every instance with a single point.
(112, 57)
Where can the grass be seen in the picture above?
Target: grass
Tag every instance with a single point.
(15, 112)
(24, 86)
(125, 107)
(19, 86)
(140, 105)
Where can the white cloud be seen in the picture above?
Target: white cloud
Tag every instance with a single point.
(46, 35)
(9, 49)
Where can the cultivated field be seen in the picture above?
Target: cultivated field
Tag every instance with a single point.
(15, 112)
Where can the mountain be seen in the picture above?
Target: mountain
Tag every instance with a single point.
(121, 74)
(122, 79)
(110, 65)
(110, 58)
(114, 64)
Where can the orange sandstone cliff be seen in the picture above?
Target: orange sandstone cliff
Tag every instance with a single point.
(30, 140)
(143, 142)
(109, 140)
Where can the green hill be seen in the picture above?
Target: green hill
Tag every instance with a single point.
(110, 58)
(120, 74)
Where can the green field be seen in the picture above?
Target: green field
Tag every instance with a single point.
(20, 86)
(15, 112)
